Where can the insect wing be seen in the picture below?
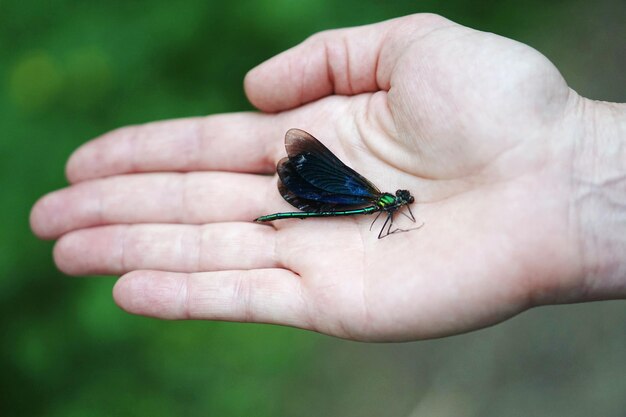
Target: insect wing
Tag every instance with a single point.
(305, 196)
(320, 167)
(298, 202)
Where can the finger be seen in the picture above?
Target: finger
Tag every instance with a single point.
(241, 142)
(260, 295)
(345, 61)
(114, 250)
(192, 198)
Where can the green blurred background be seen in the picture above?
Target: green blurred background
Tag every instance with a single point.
(71, 70)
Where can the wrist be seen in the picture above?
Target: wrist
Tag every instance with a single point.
(598, 198)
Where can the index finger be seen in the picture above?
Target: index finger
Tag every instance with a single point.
(236, 142)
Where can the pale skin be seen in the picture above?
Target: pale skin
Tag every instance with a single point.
(498, 151)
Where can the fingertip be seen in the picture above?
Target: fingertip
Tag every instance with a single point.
(101, 157)
(78, 158)
(262, 86)
(69, 254)
(292, 78)
(150, 293)
(250, 82)
(86, 162)
(44, 218)
(124, 291)
(35, 221)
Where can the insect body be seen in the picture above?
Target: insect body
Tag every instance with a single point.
(315, 181)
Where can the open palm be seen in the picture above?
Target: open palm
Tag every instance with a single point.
(476, 126)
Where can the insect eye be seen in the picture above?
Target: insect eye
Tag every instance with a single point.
(404, 194)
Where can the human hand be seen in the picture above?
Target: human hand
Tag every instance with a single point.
(482, 130)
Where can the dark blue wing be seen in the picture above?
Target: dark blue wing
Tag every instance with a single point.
(318, 166)
(305, 196)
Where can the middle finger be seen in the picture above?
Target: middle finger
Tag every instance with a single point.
(187, 198)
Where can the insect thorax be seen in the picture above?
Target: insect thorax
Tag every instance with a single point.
(386, 200)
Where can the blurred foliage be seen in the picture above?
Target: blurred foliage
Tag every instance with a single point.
(72, 70)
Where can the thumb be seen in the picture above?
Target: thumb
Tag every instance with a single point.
(343, 61)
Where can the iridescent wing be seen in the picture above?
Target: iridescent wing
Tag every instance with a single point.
(318, 166)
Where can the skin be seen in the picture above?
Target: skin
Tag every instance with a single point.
(484, 132)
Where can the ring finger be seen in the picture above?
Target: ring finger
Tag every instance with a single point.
(115, 250)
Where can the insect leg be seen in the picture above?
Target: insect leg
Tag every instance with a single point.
(390, 232)
(380, 234)
(411, 217)
(376, 218)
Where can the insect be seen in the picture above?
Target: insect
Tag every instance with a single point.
(314, 180)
